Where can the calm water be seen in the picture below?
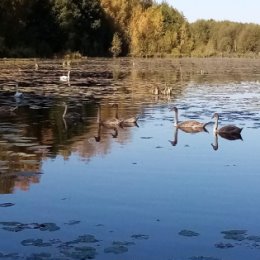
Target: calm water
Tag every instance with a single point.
(74, 190)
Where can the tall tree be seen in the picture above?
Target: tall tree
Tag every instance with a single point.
(82, 23)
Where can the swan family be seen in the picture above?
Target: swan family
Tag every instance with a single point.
(189, 126)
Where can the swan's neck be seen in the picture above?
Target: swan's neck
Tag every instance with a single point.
(65, 111)
(116, 113)
(215, 145)
(216, 125)
(69, 75)
(176, 118)
(16, 87)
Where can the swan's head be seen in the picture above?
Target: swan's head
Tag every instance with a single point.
(175, 109)
(215, 115)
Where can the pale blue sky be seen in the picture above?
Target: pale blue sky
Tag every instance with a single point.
(245, 11)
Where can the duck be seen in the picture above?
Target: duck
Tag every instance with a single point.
(130, 121)
(71, 115)
(227, 130)
(112, 122)
(189, 126)
(18, 95)
(65, 78)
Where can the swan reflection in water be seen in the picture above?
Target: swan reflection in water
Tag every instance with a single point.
(71, 118)
(227, 136)
(99, 130)
(186, 130)
(175, 138)
(111, 122)
(125, 122)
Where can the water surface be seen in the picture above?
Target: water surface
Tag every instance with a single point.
(75, 190)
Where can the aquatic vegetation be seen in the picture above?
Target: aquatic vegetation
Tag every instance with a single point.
(188, 233)
(238, 235)
(7, 204)
(85, 252)
(224, 245)
(35, 242)
(140, 236)
(18, 226)
(204, 258)
(116, 249)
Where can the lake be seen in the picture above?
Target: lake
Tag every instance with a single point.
(77, 189)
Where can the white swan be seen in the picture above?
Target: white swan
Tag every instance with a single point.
(17, 93)
(65, 78)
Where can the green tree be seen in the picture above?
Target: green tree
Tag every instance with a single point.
(83, 25)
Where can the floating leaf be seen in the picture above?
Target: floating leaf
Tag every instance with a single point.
(8, 204)
(140, 236)
(117, 249)
(188, 233)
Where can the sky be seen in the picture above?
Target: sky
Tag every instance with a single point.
(245, 11)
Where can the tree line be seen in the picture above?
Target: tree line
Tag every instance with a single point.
(143, 28)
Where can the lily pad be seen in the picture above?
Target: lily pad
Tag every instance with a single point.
(188, 233)
(81, 253)
(35, 242)
(48, 227)
(123, 243)
(223, 245)
(253, 238)
(204, 258)
(237, 235)
(73, 222)
(38, 256)
(7, 204)
(140, 236)
(117, 249)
